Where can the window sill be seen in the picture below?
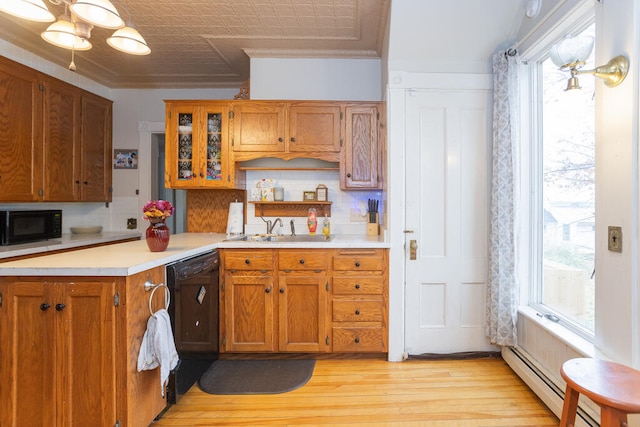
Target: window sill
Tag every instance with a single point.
(564, 335)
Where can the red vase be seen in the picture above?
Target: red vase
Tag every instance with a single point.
(157, 236)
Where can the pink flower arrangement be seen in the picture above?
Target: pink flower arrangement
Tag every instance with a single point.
(157, 210)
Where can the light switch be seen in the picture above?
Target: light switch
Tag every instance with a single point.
(615, 239)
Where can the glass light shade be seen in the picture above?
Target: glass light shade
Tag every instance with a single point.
(98, 12)
(62, 34)
(33, 10)
(129, 40)
(570, 50)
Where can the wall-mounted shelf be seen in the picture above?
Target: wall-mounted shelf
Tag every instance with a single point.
(291, 208)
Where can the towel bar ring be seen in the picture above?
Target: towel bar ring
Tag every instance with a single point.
(148, 286)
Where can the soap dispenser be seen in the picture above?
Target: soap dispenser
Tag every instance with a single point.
(326, 226)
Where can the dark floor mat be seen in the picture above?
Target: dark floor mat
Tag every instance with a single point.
(256, 376)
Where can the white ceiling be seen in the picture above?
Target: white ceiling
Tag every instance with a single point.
(208, 43)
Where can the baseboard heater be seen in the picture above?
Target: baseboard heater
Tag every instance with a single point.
(543, 386)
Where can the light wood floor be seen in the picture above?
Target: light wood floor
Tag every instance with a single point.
(473, 393)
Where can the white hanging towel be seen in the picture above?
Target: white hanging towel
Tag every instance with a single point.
(158, 347)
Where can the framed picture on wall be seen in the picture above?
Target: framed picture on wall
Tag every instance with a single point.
(125, 158)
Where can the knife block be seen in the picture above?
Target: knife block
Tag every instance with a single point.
(373, 228)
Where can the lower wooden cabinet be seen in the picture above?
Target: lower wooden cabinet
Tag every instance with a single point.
(303, 289)
(359, 307)
(70, 348)
(274, 301)
(304, 300)
(58, 354)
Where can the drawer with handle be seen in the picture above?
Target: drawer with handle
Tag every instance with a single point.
(358, 340)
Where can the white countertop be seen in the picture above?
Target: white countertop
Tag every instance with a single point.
(128, 258)
(67, 241)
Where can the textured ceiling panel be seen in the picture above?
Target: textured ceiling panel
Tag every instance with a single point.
(205, 43)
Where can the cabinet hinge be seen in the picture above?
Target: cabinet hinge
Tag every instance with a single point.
(0, 299)
(169, 114)
(378, 115)
(229, 178)
(231, 114)
(326, 340)
(342, 143)
(232, 142)
(41, 87)
(224, 341)
(341, 115)
(327, 286)
(222, 286)
(116, 299)
(117, 424)
(41, 192)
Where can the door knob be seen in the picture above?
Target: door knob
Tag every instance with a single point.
(60, 307)
(413, 249)
(45, 306)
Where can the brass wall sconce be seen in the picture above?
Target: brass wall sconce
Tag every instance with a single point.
(571, 54)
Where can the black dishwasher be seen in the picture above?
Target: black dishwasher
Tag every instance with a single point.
(193, 286)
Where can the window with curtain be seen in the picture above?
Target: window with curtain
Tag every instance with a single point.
(564, 200)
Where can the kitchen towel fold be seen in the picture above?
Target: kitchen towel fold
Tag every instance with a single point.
(158, 347)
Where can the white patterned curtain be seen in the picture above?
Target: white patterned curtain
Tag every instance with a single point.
(502, 292)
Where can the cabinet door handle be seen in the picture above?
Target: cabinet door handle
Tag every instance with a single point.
(45, 306)
(247, 261)
(293, 139)
(357, 312)
(348, 175)
(357, 285)
(60, 307)
(302, 261)
(280, 139)
(282, 290)
(357, 263)
(267, 290)
(357, 340)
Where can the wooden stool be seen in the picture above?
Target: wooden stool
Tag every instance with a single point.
(615, 388)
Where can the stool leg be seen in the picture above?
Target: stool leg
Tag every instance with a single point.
(611, 417)
(570, 407)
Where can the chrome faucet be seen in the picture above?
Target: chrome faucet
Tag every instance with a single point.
(271, 226)
(293, 227)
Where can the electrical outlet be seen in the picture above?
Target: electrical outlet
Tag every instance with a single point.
(132, 223)
(356, 216)
(615, 239)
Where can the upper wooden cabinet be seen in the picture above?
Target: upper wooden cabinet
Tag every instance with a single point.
(55, 139)
(315, 127)
(360, 162)
(197, 146)
(94, 178)
(287, 130)
(21, 163)
(259, 127)
(334, 131)
(62, 105)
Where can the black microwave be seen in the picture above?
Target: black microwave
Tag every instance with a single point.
(29, 226)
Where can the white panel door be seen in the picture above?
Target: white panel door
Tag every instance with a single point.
(447, 208)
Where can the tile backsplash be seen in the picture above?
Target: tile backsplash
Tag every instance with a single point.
(114, 216)
(297, 182)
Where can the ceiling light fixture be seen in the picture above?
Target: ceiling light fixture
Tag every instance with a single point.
(73, 32)
(571, 54)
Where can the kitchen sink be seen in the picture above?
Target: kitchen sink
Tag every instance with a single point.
(277, 238)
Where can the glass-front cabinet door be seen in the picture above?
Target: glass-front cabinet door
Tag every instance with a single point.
(197, 145)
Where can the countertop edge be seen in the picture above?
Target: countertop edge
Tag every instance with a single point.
(129, 258)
